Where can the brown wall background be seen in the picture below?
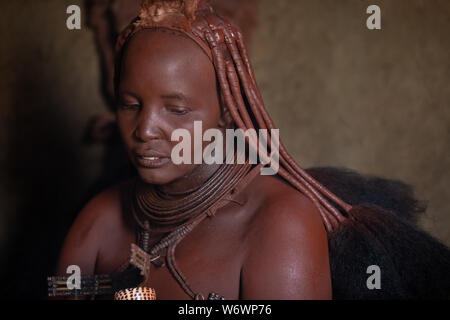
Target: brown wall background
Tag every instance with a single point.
(374, 101)
(342, 95)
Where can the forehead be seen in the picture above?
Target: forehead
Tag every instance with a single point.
(166, 59)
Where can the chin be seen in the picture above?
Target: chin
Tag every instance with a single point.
(154, 176)
(161, 176)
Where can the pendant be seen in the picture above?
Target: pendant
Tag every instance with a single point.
(141, 260)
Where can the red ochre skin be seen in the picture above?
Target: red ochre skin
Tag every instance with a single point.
(272, 247)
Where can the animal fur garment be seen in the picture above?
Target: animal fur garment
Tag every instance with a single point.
(413, 264)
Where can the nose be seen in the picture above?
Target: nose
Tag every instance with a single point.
(149, 126)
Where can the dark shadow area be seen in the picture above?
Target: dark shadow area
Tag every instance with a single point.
(46, 174)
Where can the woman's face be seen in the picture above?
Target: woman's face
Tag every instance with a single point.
(166, 83)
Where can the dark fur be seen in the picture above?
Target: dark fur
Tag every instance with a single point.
(414, 265)
(355, 188)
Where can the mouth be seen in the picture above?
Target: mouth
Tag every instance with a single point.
(151, 162)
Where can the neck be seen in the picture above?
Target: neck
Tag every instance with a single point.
(194, 180)
(190, 182)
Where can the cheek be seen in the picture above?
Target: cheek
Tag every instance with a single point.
(210, 115)
(126, 126)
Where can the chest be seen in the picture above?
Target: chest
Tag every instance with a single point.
(208, 260)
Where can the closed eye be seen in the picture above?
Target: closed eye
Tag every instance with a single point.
(178, 111)
(130, 107)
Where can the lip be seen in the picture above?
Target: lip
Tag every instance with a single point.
(151, 160)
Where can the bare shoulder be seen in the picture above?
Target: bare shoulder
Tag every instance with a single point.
(287, 246)
(101, 214)
(283, 208)
(99, 223)
(107, 209)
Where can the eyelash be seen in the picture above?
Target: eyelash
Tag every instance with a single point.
(134, 107)
(179, 112)
(129, 106)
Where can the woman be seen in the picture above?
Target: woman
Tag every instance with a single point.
(237, 234)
